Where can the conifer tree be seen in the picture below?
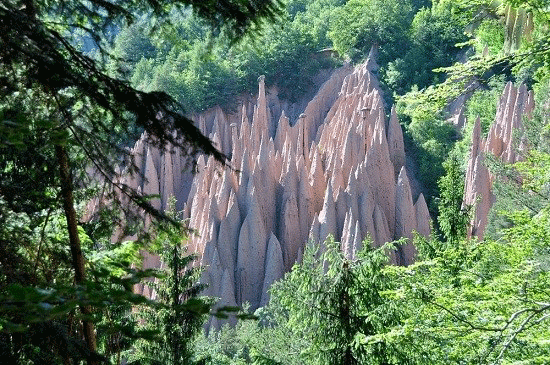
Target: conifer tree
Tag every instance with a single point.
(453, 216)
(336, 302)
(179, 312)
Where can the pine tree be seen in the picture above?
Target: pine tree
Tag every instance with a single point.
(179, 312)
(453, 217)
(337, 304)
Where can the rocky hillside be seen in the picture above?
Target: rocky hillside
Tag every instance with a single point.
(338, 169)
(514, 105)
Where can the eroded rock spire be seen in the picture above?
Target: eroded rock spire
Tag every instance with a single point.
(339, 170)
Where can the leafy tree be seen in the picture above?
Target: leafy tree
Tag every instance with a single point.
(490, 33)
(131, 45)
(483, 104)
(328, 310)
(523, 185)
(434, 33)
(286, 59)
(38, 298)
(201, 69)
(524, 52)
(265, 341)
(480, 302)
(359, 24)
(428, 138)
(316, 18)
(486, 302)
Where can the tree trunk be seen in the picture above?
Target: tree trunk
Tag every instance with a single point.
(176, 293)
(74, 241)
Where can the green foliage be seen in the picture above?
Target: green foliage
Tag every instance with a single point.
(465, 302)
(286, 52)
(286, 56)
(178, 313)
(54, 97)
(470, 302)
(433, 36)
(482, 302)
(537, 131)
(535, 172)
(453, 218)
(315, 18)
(132, 44)
(526, 51)
(337, 305)
(483, 104)
(259, 342)
(523, 185)
(360, 24)
(328, 310)
(462, 302)
(429, 139)
(38, 299)
(201, 70)
(183, 64)
(490, 33)
(486, 302)
(434, 33)
(27, 164)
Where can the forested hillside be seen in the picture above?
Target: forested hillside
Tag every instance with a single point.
(201, 69)
(312, 119)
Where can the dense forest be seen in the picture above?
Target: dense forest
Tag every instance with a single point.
(81, 81)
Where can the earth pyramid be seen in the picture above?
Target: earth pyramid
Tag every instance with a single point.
(514, 104)
(338, 168)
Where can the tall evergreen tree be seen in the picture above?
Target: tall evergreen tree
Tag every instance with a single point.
(178, 313)
(337, 303)
(453, 216)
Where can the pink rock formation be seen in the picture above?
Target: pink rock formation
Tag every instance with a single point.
(423, 220)
(338, 168)
(395, 143)
(274, 268)
(405, 218)
(514, 105)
